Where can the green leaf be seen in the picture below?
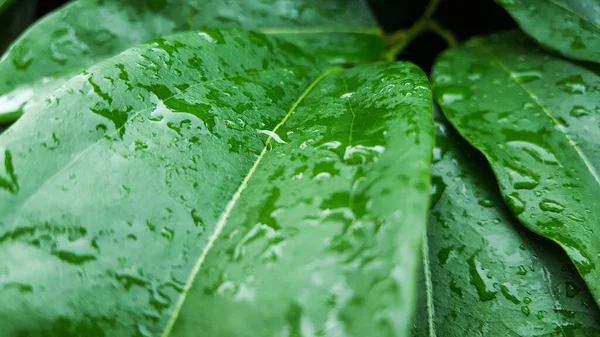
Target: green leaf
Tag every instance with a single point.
(571, 27)
(535, 117)
(87, 31)
(178, 195)
(486, 275)
(4, 4)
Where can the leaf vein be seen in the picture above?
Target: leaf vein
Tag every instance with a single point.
(428, 288)
(536, 99)
(232, 203)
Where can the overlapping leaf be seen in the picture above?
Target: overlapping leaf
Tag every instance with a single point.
(173, 190)
(486, 275)
(535, 117)
(570, 26)
(87, 31)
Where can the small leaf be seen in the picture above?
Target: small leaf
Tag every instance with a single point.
(164, 193)
(536, 118)
(87, 31)
(487, 276)
(571, 27)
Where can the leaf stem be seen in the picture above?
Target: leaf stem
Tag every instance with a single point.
(400, 39)
(443, 32)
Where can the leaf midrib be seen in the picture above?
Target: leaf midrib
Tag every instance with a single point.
(428, 287)
(536, 99)
(233, 202)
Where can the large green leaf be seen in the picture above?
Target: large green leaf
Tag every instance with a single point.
(536, 118)
(487, 276)
(571, 27)
(87, 31)
(170, 193)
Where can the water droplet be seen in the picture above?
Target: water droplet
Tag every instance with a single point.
(65, 43)
(540, 315)
(453, 93)
(168, 233)
(579, 111)
(551, 206)
(481, 281)
(515, 204)
(475, 72)
(16, 100)
(572, 289)
(130, 278)
(236, 126)
(526, 300)
(487, 203)
(536, 151)
(573, 85)
(8, 177)
(525, 310)
(143, 331)
(510, 293)
(361, 154)
(207, 36)
(330, 145)
(583, 263)
(272, 135)
(522, 271)
(526, 76)
(77, 251)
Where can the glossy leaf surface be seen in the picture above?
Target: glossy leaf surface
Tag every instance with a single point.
(87, 31)
(535, 117)
(487, 275)
(571, 27)
(175, 191)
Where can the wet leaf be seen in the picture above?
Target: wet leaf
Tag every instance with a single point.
(87, 31)
(571, 27)
(487, 275)
(536, 118)
(165, 193)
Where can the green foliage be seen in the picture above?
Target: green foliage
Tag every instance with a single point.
(87, 31)
(534, 118)
(267, 168)
(572, 27)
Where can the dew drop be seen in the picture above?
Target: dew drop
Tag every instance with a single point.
(579, 111)
(481, 281)
(516, 205)
(453, 93)
(551, 206)
(572, 289)
(573, 85)
(487, 203)
(526, 76)
(272, 135)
